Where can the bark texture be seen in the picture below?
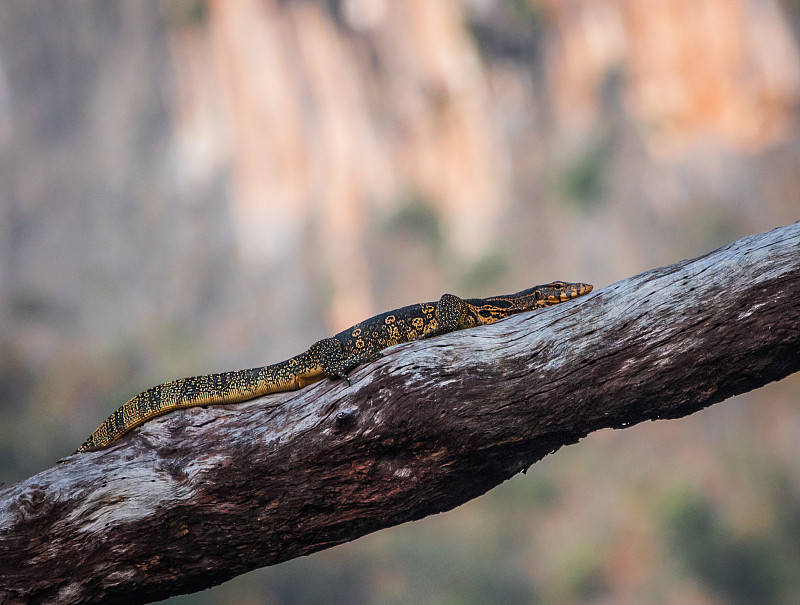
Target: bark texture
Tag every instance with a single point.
(201, 495)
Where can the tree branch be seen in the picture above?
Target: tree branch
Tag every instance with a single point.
(199, 496)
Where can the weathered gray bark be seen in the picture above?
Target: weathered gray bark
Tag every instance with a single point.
(199, 496)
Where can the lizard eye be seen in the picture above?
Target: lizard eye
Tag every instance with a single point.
(485, 313)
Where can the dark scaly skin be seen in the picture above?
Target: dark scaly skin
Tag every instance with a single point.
(331, 357)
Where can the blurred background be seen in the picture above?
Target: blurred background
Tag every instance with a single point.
(189, 186)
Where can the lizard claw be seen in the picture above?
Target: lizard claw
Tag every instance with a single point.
(341, 375)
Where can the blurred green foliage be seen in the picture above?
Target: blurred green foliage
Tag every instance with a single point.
(741, 567)
(415, 218)
(485, 273)
(579, 574)
(583, 178)
(185, 12)
(531, 13)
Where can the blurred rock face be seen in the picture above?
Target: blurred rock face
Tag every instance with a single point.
(726, 72)
(244, 143)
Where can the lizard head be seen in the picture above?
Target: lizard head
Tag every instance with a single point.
(554, 293)
(489, 310)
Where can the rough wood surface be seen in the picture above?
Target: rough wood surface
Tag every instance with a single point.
(199, 496)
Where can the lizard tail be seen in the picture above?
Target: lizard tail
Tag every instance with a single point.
(222, 388)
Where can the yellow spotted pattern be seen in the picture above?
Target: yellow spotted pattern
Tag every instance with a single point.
(329, 358)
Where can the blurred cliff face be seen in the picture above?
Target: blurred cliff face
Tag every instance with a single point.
(194, 185)
(726, 73)
(232, 144)
(483, 111)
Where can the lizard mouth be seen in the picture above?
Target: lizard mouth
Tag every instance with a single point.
(569, 292)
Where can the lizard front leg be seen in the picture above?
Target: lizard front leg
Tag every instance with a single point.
(333, 362)
(452, 314)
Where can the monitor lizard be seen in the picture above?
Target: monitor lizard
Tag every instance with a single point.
(331, 357)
